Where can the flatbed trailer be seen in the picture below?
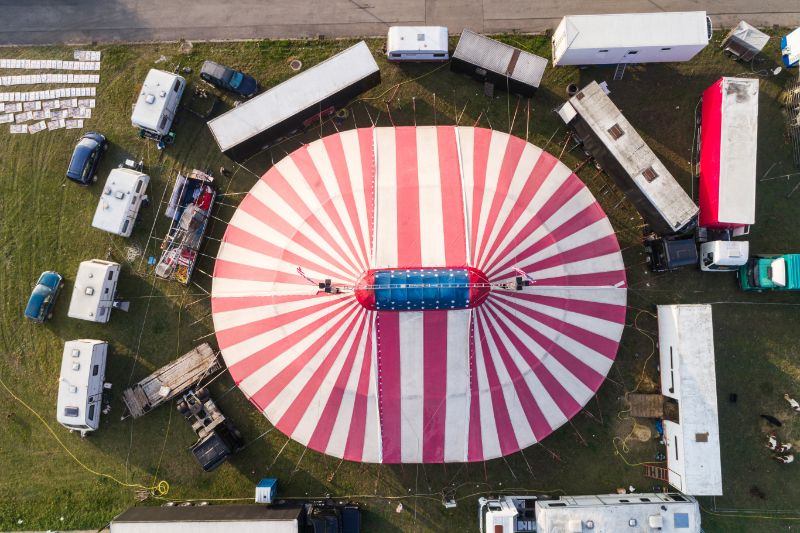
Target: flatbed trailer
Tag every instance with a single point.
(171, 380)
(189, 209)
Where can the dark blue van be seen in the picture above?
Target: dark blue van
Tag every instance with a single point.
(83, 165)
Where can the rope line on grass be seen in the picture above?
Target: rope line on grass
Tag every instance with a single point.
(161, 488)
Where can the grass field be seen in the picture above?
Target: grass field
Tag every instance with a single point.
(45, 224)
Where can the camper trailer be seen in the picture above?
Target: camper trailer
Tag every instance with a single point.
(688, 379)
(120, 201)
(611, 140)
(503, 65)
(417, 43)
(94, 291)
(157, 104)
(300, 102)
(81, 385)
(630, 38)
(728, 146)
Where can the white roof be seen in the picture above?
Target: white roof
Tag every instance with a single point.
(738, 148)
(295, 94)
(201, 526)
(116, 199)
(153, 98)
(87, 292)
(630, 150)
(686, 343)
(417, 39)
(73, 382)
(792, 49)
(753, 37)
(680, 28)
(616, 512)
(498, 57)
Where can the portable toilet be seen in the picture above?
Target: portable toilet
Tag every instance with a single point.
(266, 490)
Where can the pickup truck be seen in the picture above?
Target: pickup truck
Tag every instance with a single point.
(770, 273)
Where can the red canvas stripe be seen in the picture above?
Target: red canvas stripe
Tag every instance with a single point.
(299, 406)
(253, 362)
(310, 172)
(536, 419)
(506, 260)
(474, 438)
(220, 304)
(502, 422)
(455, 246)
(387, 328)
(562, 398)
(366, 145)
(253, 207)
(606, 311)
(409, 246)
(334, 147)
(480, 158)
(354, 448)
(511, 159)
(598, 248)
(281, 186)
(594, 279)
(434, 340)
(541, 170)
(270, 390)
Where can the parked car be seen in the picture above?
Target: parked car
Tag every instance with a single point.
(228, 79)
(43, 297)
(85, 157)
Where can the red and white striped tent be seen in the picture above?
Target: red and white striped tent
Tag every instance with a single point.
(436, 385)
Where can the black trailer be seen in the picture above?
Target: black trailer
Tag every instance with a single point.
(503, 65)
(619, 149)
(299, 102)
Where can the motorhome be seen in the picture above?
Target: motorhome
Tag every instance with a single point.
(120, 201)
(81, 385)
(94, 291)
(630, 38)
(417, 43)
(505, 66)
(157, 104)
(298, 103)
(619, 149)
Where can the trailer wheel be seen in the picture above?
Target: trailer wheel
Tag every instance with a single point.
(202, 394)
(182, 407)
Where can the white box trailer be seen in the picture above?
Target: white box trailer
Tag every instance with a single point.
(80, 385)
(688, 377)
(299, 102)
(608, 136)
(630, 38)
(417, 43)
(157, 103)
(211, 519)
(94, 291)
(120, 201)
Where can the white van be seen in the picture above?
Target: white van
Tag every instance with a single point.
(80, 386)
(417, 43)
(120, 201)
(157, 103)
(94, 291)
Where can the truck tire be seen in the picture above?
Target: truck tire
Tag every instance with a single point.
(182, 407)
(202, 394)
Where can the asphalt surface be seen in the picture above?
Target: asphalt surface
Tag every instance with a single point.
(86, 21)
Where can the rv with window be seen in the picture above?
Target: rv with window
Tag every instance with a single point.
(417, 43)
(504, 66)
(630, 38)
(300, 102)
(94, 291)
(157, 103)
(120, 201)
(81, 385)
(616, 146)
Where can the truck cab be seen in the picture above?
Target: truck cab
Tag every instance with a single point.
(723, 256)
(670, 253)
(217, 438)
(776, 272)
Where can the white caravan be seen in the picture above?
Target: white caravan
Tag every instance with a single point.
(157, 103)
(94, 291)
(120, 201)
(80, 386)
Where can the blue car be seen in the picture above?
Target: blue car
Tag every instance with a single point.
(228, 79)
(43, 298)
(83, 165)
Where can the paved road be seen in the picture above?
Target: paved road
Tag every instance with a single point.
(84, 21)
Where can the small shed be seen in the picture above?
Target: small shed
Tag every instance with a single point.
(688, 376)
(744, 41)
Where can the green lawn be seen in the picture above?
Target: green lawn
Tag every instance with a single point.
(45, 224)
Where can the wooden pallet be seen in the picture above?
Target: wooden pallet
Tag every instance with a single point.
(178, 377)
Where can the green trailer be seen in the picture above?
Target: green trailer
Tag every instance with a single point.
(771, 273)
